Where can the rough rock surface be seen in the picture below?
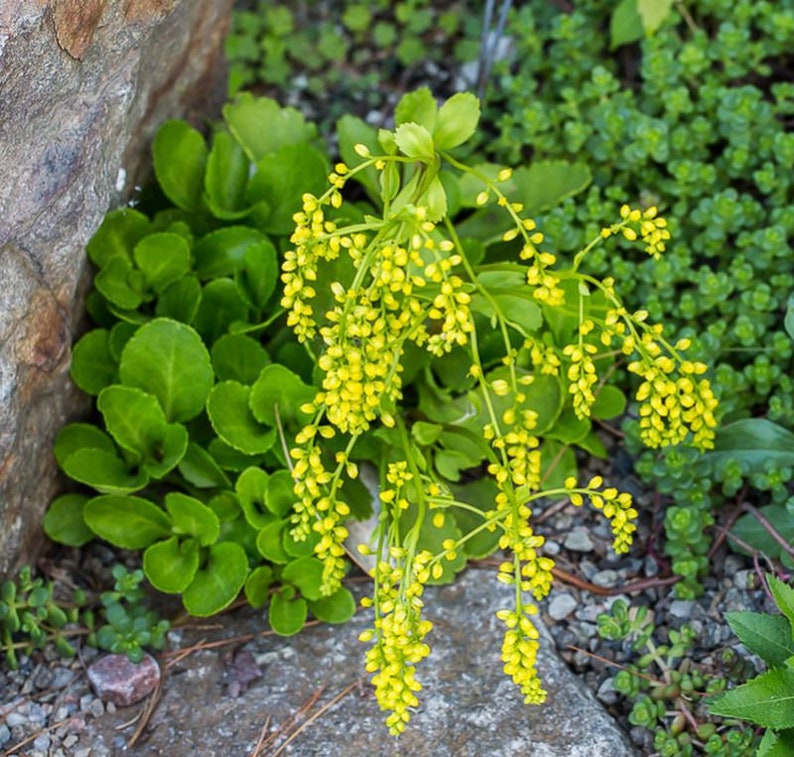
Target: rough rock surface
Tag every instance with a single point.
(84, 84)
(116, 679)
(469, 707)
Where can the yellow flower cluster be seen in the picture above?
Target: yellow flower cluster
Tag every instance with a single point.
(399, 634)
(319, 507)
(616, 506)
(582, 376)
(520, 652)
(645, 223)
(543, 357)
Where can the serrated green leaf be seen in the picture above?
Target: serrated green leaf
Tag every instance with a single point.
(201, 470)
(757, 442)
(103, 471)
(287, 613)
(418, 107)
(784, 599)
(435, 200)
(180, 301)
(64, 522)
(279, 392)
(262, 126)
(653, 12)
(180, 158)
(222, 252)
(226, 177)
(768, 636)
(126, 522)
(115, 283)
(281, 179)
(133, 418)
(171, 565)
(777, 744)
(236, 357)
(257, 586)
(93, 367)
(163, 259)
(415, 142)
(456, 121)
(218, 581)
(339, 607)
(191, 517)
(117, 236)
(221, 306)
(767, 700)
(625, 25)
(750, 530)
(307, 574)
(229, 413)
(168, 359)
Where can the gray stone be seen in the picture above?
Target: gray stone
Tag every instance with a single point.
(116, 679)
(561, 606)
(682, 608)
(468, 706)
(578, 540)
(84, 84)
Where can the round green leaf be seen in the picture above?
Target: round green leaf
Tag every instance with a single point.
(199, 468)
(118, 285)
(257, 280)
(222, 252)
(250, 488)
(257, 586)
(133, 418)
(234, 423)
(307, 574)
(218, 581)
(64, 522)
(171, 565)
(77, 436)
(610, 403)
(337, 608)
(93, 367)
(226, 176)
(126, 522)
(221, 306)
(180, 157)
(117, 236)
(270, 542)
(163, 259)
(279, 390)
(279, 493)
(287, 614)
(168, 359)
(103, 471)
(236, 357)
(191, 517)
(456, 121)
(180, 301)
(415, 142)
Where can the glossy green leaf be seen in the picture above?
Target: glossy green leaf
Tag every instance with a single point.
(171, 564)
(258, 278)
(767, 700)
(218, 581)
(307, 574)
(93, 367)
(257, 586)
(756, 442)
(270, 542)
(126, 522)
(222, 252)
(229, 413)
(226, 177)
(784, 599)
(180, 159)
(339, 607)
(230, 458)
(768, 636)
(653, 12)
(776, 744)
(163, 259)
(478, 494)
(117, 285)
(418, 107)
(168, 359)
(610, 403)
(221, 306)
(751, 531)
(180, 301)
(120, 334)
(287, 613)
(293, 548)
(352, 131)
(250, 488)
(415, 142)
(788, 322)
(456, 121)
(64, 522)
(77, 436)
(278, 391)
(279, 494)
(262, 126)
(626, 24)
(281, 179)
(103, 471)
(425, 433)
(191, 517)
(201, 470)
(117, 236)
(236, 357)
(545, 184)
(557, 462)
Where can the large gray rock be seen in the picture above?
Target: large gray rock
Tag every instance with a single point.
(84, 84)
(469, 707)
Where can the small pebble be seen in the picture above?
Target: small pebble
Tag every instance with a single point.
(606, 692)
(681, 608)
(5, 734)
(561, 606)
(607, 578)
(15, 717)
(578, 541)
(551, 547)
(42, 743)
(122, 682)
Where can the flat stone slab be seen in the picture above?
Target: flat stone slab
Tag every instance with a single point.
(469, 707)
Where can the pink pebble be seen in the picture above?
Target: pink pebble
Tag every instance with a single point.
(116, 679)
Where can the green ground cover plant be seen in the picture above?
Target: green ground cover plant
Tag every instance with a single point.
(418, 326)
(695, 117)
